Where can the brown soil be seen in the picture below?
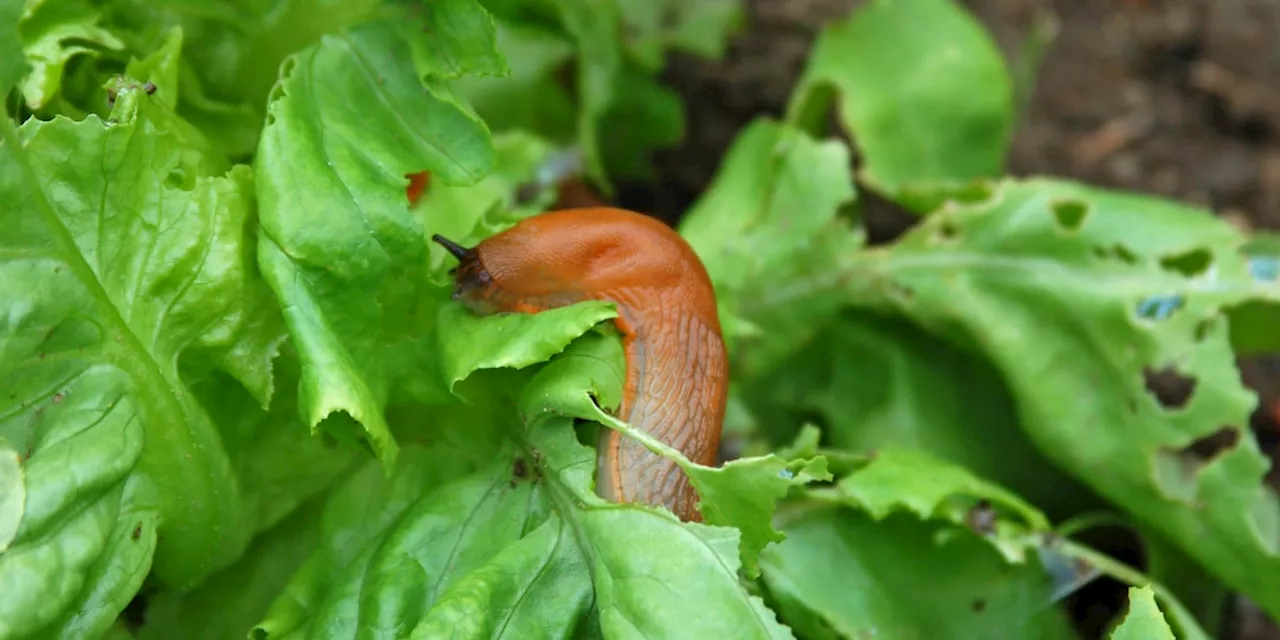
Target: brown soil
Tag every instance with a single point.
(1179, 98)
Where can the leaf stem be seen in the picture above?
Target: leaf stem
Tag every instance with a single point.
(1180, 615)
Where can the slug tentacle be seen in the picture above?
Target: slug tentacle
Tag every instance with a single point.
(677, 367)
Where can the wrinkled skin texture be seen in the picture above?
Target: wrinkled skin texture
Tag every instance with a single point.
(677, 367)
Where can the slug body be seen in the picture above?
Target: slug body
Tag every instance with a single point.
(677, 367)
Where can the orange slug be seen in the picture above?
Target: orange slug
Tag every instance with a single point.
(677, 366)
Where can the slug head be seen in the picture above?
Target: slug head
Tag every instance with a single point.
(473, 286)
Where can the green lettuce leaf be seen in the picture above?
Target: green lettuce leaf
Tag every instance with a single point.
(13, 62)
(899, 479)
(230, 602)
(1132, 287)
(653, 575)
(955, 510)
(494, 529)
(123, 264)
(923, 90)
(52, 32)
(700, 27)
(619, 112)
(841, 574)
(531, 97)
(769, 225)
(742, 493)
(875, 382)
(13, 493)
(341, 249)
(1143, 620)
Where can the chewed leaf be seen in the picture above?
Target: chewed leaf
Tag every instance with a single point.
(842, 574)
(341, 249)
(1114, 396)
(922, 88)
(877, 382)
(742, 494)
(1144, 620)
(745, 492)
(511, 340)
(923, 484)
(1253, 323)
(931, 488)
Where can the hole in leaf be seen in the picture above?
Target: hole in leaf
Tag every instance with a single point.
(1116, 252)
(1159, 307)
(1171, 388)
(1070, 214)
(1209, 446)
(885, 220)
(1178, 470)
(1265, 268)
(1189, 263)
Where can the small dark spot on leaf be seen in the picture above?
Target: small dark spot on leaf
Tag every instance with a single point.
(899, 290)
(1203, 328)
(1170, 387)
(1082, 567)
(42, 355)
(57, 397)
(519, 471)
(947, 230)
(978, 605)
(982, 518)
(150, 88)
(57, 269)
(1070, 214)
(137, 531)
(1189, 263)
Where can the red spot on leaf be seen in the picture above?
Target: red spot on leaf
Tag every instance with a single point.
(417, 184)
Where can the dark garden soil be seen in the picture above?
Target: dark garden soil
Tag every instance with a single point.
(1173, 97)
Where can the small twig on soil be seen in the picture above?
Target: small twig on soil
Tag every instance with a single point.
(1242, 96)
(1111, 137)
